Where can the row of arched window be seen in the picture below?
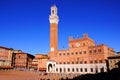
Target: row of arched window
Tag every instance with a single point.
(82, 62)
(80, 52)
(79, 70)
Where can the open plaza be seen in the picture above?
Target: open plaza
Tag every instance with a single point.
(30, 75)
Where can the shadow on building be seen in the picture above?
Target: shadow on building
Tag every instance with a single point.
(113, 74)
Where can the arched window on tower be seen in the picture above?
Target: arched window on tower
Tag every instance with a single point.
(52, 11)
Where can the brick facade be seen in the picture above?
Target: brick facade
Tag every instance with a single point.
(39, 63)
(10, 58)
(23, 60)
(83, 55)
(6, 57)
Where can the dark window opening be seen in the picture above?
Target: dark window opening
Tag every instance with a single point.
(57, 69)
(91, 69)
(95, 61)
(60, 54)
(84, 52)
(52, 11)
(72, 62)
(68, 62)
(76, 53)
(99, 50)
(85, 69)
(85, 62)
(80, 62)
(60, 70)
(77, 62)
(100, 61)
(91, 62)
(72, 53)
(72, 69)
(67, 53)
(81, 70)
(95, 51)
(68, 69)
(80, 52)
(77, 69)
(102, 69)
(90, 51)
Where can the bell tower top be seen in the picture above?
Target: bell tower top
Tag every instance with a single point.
(54, 10)
(53, 18)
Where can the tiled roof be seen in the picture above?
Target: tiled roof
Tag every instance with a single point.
(6, 48)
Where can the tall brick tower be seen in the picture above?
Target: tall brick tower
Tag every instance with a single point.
(53, 18)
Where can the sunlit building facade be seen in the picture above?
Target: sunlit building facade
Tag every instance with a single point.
(22, 60)
(39, 62)
(6, 57)
(83, 55)
(10, 59)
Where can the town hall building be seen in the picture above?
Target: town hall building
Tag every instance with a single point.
(83, 55)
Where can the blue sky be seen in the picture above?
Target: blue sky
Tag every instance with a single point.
(24, 24)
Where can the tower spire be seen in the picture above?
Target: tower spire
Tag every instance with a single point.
(53, 18)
